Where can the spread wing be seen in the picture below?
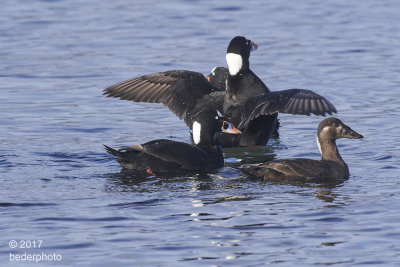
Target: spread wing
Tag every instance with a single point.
(179, 90)
(292, 101)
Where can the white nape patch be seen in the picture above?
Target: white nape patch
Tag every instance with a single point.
(319, 146)
(213, 71)
(196, 132)
(234, 62)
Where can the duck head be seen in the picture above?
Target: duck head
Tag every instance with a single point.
(207, 124)
(238, 53)
(217, 78)
(331, 129)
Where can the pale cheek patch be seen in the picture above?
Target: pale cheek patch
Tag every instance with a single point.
(235, 63)
(319, 146)
(196, 132)
(324, 131)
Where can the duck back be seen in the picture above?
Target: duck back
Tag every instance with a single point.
(299, 170)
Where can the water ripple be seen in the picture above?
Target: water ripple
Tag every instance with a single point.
(5, 204)
(150, 202)
(58, 184)
(82, 219)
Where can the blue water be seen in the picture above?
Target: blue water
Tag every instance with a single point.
(58, 185)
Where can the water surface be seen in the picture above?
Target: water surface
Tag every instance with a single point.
(58, 184)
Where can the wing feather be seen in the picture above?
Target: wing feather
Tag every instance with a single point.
(293, 101)
(179, 90)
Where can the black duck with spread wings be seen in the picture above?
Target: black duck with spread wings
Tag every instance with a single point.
(236, 92)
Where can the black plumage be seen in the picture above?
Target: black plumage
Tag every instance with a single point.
(252, 106)
(165, 156)
(184, 92)
(236, 92)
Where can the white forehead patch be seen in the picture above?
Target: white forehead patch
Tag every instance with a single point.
(196, 132)
(234, 62)
(213, 71)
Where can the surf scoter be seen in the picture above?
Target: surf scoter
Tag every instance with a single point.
(244, 99)
(330, 168)
(163, 156)
(217, 78)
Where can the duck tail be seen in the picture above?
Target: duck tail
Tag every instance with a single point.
(112, 151)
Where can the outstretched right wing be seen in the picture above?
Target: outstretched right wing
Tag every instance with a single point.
(179, 90)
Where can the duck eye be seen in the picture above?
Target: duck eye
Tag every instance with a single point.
(225, 125)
